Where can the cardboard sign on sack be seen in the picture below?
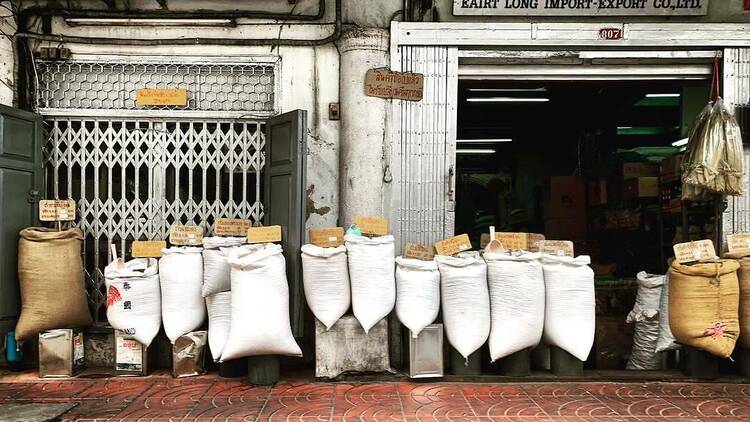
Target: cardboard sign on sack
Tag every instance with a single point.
(231, 226)
(700, 250)
(376, 226)
(327, 238)
(535, 242)
(147, 248)
(417, 251)
(738, 243)
(268, 234)
(557, 247)
(510, 241)
(186, 235)
(453, 245)
(57, 210)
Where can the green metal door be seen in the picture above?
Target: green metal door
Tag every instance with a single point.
(284, 198)
(21, 181)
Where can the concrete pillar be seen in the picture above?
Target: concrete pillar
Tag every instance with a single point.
(7, 58)
(362, 124)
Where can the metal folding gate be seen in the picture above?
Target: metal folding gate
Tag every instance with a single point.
(134, 177)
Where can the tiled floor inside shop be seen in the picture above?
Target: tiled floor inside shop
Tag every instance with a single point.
(209, 398)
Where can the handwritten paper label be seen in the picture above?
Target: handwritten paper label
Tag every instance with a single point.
(327, 238)
(160, 97)
(383, 83)
(557, 247)
(57, 210)
(231, 227)
(186, 235)
(264, 234)
(534, 241)
(147, 249)
(701, 250)
(416, 251)
(377, 226)
(453, 245)
(739, 243)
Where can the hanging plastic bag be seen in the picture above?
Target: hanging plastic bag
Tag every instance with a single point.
(215, 267)
(418, 293)
(714, 161)
(134, 298)
(325, 274)
(645, 316)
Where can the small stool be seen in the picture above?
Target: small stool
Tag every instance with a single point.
(564, 364)
(516, 365)
(263, 370)
(459, 365)
(234, 368)
(699, 364)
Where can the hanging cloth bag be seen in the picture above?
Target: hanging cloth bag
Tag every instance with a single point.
(215, 267)
(219, 307)
(183, 307)
(418, 293)
(372, 274)
(134, 298)
(325, 274)
(743, 276)
(645, 316)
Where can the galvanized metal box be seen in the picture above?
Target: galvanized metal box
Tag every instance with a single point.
(60, 353)
(131, 357)
(188, 355)
(426, 353)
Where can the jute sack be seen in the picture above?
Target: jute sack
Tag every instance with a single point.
(704, 304)
(743, 275)
(50, 275)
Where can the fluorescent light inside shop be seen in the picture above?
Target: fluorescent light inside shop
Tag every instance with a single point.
(475, 151)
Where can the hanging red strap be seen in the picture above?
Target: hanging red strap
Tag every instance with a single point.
(715, 81)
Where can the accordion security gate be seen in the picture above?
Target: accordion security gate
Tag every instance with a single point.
(134, 177)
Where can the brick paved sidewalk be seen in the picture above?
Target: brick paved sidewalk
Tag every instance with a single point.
(160, 398)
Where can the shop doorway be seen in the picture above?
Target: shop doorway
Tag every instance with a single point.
(594, 162)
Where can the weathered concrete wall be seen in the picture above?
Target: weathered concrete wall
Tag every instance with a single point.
(346, 348)
(7, 58)
(719, 11)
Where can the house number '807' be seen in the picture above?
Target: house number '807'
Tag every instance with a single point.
(610, 33)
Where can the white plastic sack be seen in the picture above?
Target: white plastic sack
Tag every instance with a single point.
(183, 308)
(466, 301)
(325, 274)
(645, 315)
(666, 340)
(219, 322)
(260, 304)
(371, 271)
(570, 314)
(418, 293)
(215, 266)
(134, 298)
(516, 283)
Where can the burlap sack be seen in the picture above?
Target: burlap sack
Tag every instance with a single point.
(704, 305)
(744, 278)
(50, 275)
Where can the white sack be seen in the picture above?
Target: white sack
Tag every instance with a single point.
(516, 283)
(645, 315)
(570, 314)
(418, 293)
(134, 298)
(325, 274)
(183, 308)
(215, 266)
(371, 271)
(260, 304)
(219, 321)
(666, 340)
(466, 301)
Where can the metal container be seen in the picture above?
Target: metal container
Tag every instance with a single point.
(60, 353)
(131, 357)
(188, 355)
(426, 353)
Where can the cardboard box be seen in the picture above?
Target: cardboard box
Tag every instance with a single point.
(60, 353)
(598, 192)
(636, 170)
(642, 187)
(566, 229)
(567, 197)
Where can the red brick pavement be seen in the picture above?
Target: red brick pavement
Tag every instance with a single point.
(211, 399)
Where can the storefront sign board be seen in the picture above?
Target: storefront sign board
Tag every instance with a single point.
(701, 250)
(377, 226)
(417, 251)
(327, 238)
(147, 248)
(186, 235)
(739, 243)
(231, 226)
(383, 83)
(453, 245)
(557, 247)
(268, 234)
(161, 97)
(580, 7)
(57, 210)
